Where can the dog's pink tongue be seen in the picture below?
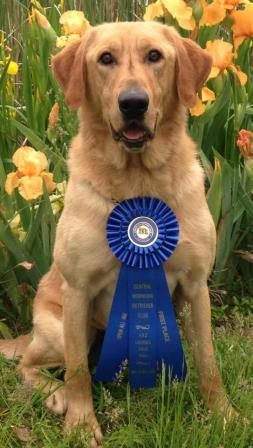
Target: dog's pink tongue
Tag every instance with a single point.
(133, 133)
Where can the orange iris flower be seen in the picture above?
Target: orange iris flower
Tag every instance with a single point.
(243, 24)
(222, 54)
(215, 12)
(206, 95)
(30, 173)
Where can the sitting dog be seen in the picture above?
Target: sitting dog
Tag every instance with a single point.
(131, 83)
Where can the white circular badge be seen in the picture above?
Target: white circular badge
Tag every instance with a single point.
(143, 231)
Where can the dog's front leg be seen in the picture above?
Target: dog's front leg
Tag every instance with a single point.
(194, 305)
(76, 324)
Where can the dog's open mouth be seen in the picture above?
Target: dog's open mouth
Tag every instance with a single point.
(133, 135)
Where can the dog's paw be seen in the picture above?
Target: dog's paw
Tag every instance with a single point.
(57, 402)
(75, 419)
(96, 440)
(97, 435)
(228, 412)
(232, 414)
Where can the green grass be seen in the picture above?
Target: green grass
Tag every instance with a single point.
(25, 104)
(165, 417)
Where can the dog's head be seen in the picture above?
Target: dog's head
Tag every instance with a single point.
(132, 76)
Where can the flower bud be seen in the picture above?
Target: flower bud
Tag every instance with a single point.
(245, 143)
(45, 25)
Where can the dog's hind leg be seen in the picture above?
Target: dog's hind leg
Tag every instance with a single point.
(193, 303)
(14, 348)
(45, 351)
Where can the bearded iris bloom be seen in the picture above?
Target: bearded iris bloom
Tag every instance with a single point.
(30, 173)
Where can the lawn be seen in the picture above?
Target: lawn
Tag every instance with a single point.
(169, 416)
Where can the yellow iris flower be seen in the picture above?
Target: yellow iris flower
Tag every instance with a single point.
(62, 41)
(74, 22)
(30, 173)
(74, 25)
(176, 8)
(12, 67)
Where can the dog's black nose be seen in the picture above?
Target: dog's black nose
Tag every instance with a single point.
(133, 103)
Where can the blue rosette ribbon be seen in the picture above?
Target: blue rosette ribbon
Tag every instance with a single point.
(142, 233)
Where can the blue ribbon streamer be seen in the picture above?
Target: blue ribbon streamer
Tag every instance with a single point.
(142, 233)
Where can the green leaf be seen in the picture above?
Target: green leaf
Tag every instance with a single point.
(217, 105)
(36, 141)
(245, 200)
(4, 331)
(214, 194)
(12, 242)
(206, 165)
(27, 87)
(23, 210)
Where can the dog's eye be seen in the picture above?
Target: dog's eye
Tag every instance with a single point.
(154, 56)
(106, 58)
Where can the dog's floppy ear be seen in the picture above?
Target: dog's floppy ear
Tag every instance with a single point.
(193, 65)
(68, 67)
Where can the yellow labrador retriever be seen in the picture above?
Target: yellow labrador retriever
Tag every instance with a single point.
(131, 83)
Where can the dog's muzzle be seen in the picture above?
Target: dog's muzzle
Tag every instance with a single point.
(133, 104)
(133, 135)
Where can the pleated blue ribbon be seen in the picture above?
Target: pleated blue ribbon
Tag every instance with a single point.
(142, 233)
